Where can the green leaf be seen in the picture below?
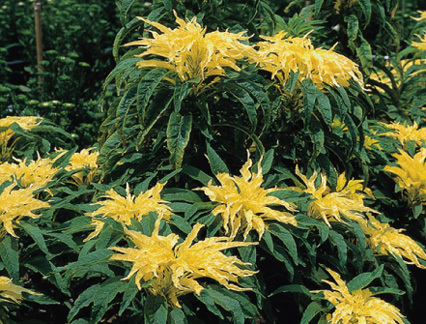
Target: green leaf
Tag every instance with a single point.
(122, 66)
(135, 22)
(155, 310)
(83, 300)
(9, 256)
(178, 131)
(37, 236)
(353, 27)
(363, 50)
(168, 5)
(216, 163)
(125, 106)
(248, 103)
(260, 95)
(318, 5)
(364, 279)
(177, 316)
(285, 236)
(103, 296)
(324, 107)
(180, 223)
(309, 97)
(227, 303)
(338, 240)
(158, 106)
(181, 91)
(129, 294)
(197, 174)
(267, 161)
(366, 9)
(293, 288)
(124, 9)
(208, 301)
(86, 260)
(39, 299)
(146, 88)
(310, 312)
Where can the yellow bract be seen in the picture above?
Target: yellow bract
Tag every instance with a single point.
(85, 159)
(385, 239)
(422, 44)
(244, 204)
(280, 55)
(422, 15)
(15, 204)
(348, 199)
(37, 174)
(190, 51)
(26, 123)
(124, 209)
(358, 306)
(410, 174)
(405, 133)
(175, 269)
(9, 292)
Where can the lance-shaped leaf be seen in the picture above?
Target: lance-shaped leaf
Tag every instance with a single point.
(178, 131)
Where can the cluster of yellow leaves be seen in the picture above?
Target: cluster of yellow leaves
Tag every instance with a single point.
(347, 199)
(422, 44)
(175, 268)
(190, 51)
(422, 15)
(10, 292)
(358, 306)
(15, 204)
(385, 239)
(26, 123)
(244, 204)
(85, 159)
(36, 174)
(406, 133)
(124, 209)
(193, 53)
(399, 73)
(281, 55)
(410, 174)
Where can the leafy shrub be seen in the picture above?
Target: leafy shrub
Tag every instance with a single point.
(247, 170)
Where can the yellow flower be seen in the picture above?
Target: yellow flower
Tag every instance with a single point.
(422, 15)
(369, 142)
(422, 44)
(37, 174)
(83, 160)
(124, 209)
(358, 306)
(398, 73)
(386, 240)
(26, 123)
(175, 269)
(15, 204)
(348, 199)
(405, 133)
(11, 292)
(281, 55)
(244, 204)
(410, 174)
(190, 51)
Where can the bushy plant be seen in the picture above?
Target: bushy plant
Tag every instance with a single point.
(248, 170)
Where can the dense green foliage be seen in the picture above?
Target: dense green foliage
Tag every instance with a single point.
(290, 163)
